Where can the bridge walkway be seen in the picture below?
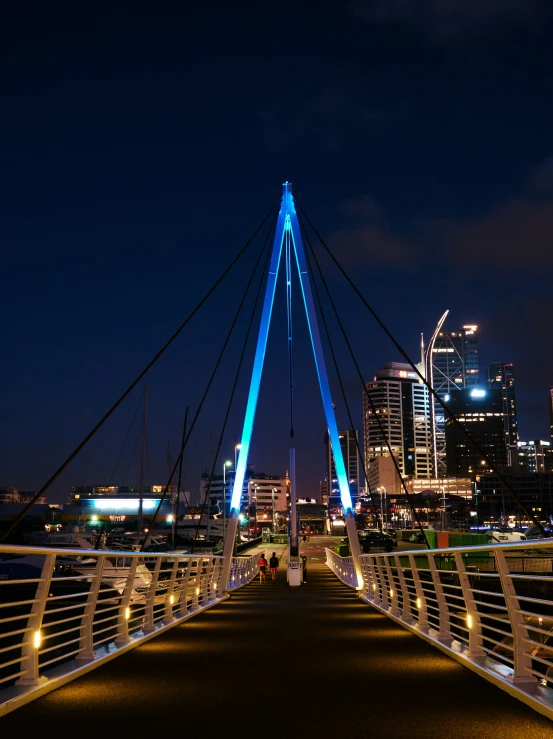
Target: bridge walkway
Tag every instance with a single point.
(278, 662)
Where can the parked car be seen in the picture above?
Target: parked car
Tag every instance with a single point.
(371, 539)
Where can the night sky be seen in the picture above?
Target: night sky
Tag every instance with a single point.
(142, 144)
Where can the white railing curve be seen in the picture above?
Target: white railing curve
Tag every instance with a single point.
(490, 607)
(65, 611)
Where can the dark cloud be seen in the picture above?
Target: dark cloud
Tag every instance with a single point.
(365, 245)
(364, 208)
(366, 237)
(541, 179)
(516, 234)
(329, 116)
(451, 19)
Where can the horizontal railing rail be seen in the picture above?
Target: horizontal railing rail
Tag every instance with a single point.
(490, 607)
(62, 610)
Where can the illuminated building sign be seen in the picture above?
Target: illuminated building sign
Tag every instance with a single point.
(129, 505)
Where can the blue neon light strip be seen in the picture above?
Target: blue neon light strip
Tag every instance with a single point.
(343, 484)
(259, 359)
(288, 223)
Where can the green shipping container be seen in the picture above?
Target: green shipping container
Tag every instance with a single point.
(431, 538)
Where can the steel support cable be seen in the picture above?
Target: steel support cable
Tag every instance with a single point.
(236, 378)
(126, 439)
(431, 390)
(367, 394)
(131, 387)
(338, 373)
(132, 456)
(179, 479)
(207, 389)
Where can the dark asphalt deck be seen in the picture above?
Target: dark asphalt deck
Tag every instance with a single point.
(276, 662)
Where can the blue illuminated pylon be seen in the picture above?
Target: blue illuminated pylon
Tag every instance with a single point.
(288, 226)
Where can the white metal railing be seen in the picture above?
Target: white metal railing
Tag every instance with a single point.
(342, 567)
(62, 609)
(489, 606)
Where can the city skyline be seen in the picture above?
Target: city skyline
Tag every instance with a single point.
(115, 224)
(194, 483)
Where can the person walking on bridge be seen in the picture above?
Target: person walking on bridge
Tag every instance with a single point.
(273, 564)
(262, 562)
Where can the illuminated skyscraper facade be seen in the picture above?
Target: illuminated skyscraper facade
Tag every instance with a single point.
(502, 377)
(453, 366)
(481, 413)
(533, 456)
(350, 453)
(551, 411)
(401, 403)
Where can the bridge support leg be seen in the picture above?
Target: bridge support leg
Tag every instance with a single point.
(228, 549)
(354, 547)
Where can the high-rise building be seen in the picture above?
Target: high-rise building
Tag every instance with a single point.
(451, 366)
(259, 490)
(401, 403)
(533, 456)
(502, 377)
(323, 492)
(350, 453)
(481, 412)
(551, 411)
(533, 489)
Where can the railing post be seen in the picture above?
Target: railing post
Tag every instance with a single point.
(124, 607)
(149, 623)
(392, 595)
(30, 650)
(406, 614)
(230, 585)
(204, 584)
(216, 581)
(444, 632)
(366, 576)
(196, 594)
(521, 656)
(168, 616)
(87, 622)
(422, 618)
(373, 578)
(380, 593)
(474, 623)
(183, 600)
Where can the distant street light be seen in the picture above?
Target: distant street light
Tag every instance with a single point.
(226, 464)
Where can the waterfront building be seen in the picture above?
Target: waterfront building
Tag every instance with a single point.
(401, 403)
(535, 491)
(260, 492)
(452, 365)
(551, 412)
(13, 495)
(323, 492)
(533, 456)
(350, 453)
(502, 377)
(481, 412)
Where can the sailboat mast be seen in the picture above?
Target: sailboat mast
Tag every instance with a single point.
(180, 481)
(143, 462)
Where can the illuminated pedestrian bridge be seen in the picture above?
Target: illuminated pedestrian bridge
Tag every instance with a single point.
(433, 642)
(445, 643)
